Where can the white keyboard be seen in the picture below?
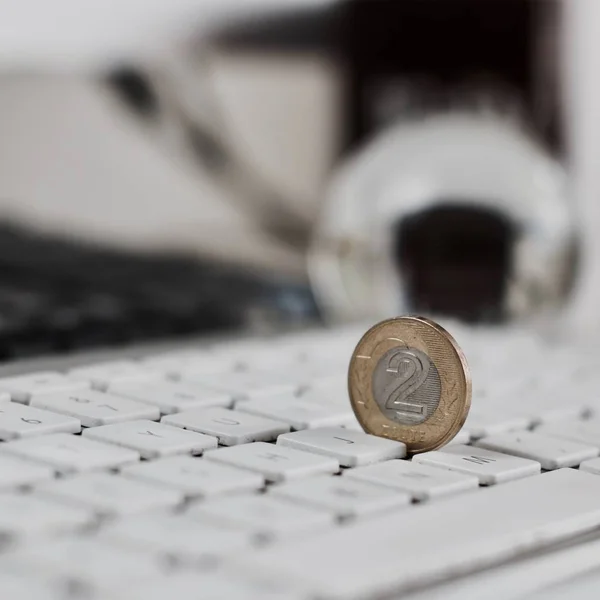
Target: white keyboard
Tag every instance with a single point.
(237, 470)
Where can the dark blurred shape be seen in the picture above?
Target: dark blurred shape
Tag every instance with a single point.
(427, 88)
(58, 296)
(135, 89)
(417, 56)
(456, 260)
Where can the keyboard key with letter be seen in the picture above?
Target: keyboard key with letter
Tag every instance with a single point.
(342, 496)
(195, 477)
(152, 440)
(94, 408)
(488, 466)
(230, 427)
(19, 421)
(67, 453)
(109, 494)
(170, 396)
(274, 463)
(262, 516)
(550, 452)
(350, 448)
(24, 387)
(421, 481)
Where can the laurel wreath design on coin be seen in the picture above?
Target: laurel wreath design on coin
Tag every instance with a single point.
(409, 381)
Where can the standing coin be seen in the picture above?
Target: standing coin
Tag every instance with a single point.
(409, 381)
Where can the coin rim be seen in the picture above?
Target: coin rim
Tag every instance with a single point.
(458, 421)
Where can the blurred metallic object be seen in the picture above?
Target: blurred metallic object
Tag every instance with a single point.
(457, 214)
(441, 121)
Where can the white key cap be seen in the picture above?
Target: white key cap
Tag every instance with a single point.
(331, 390)
(109, 494)
(67, 453)
(462, 437)
(28, 514)
(86, 565)
(516, 580)
(274, 463)
(493, 525)
(482, 423)
(419, 480)
(551, 453)
(262, 515)
(152, 440)
(193, 362)
(194, 540)
(350, 448)
(488, 466)
(16, 473)
(297, 413)
(19, 421)
(195, 477)
(23, 387)
(582, 588)
(94, 408)
(230, 427)
(584, 432)
(341, 496)
(172, 397)
(247, 385)
(214, 586)
(591, 466)
(102, 375)
(22, 587)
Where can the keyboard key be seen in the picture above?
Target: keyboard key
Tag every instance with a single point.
(23, 387)
(67, 453)
(94, 408)
(197, 541)
(422, 482)
(194, 477)
(341, 496)
(462, 437)
(492, 525)
(17, 473)
(109, 494)
(274, 463)
(262, 516)
(189, 362)
(246, 385)
(481, 424)
(230, 427)
(19, 421)
(591, 466)
(332, 389)
(152, 440)
(102, 375)
(297, 413)
(214, 586)
(23, 587)
(28, 514)
(81, 567)
(488, 466)
(350, 448)
(551, 453)
(172, 397)
(584, 432)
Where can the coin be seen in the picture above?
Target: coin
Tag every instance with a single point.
(409, 381)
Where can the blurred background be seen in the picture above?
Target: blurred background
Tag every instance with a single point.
(184, 166)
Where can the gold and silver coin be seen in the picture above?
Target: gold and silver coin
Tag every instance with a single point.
(409, 381)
